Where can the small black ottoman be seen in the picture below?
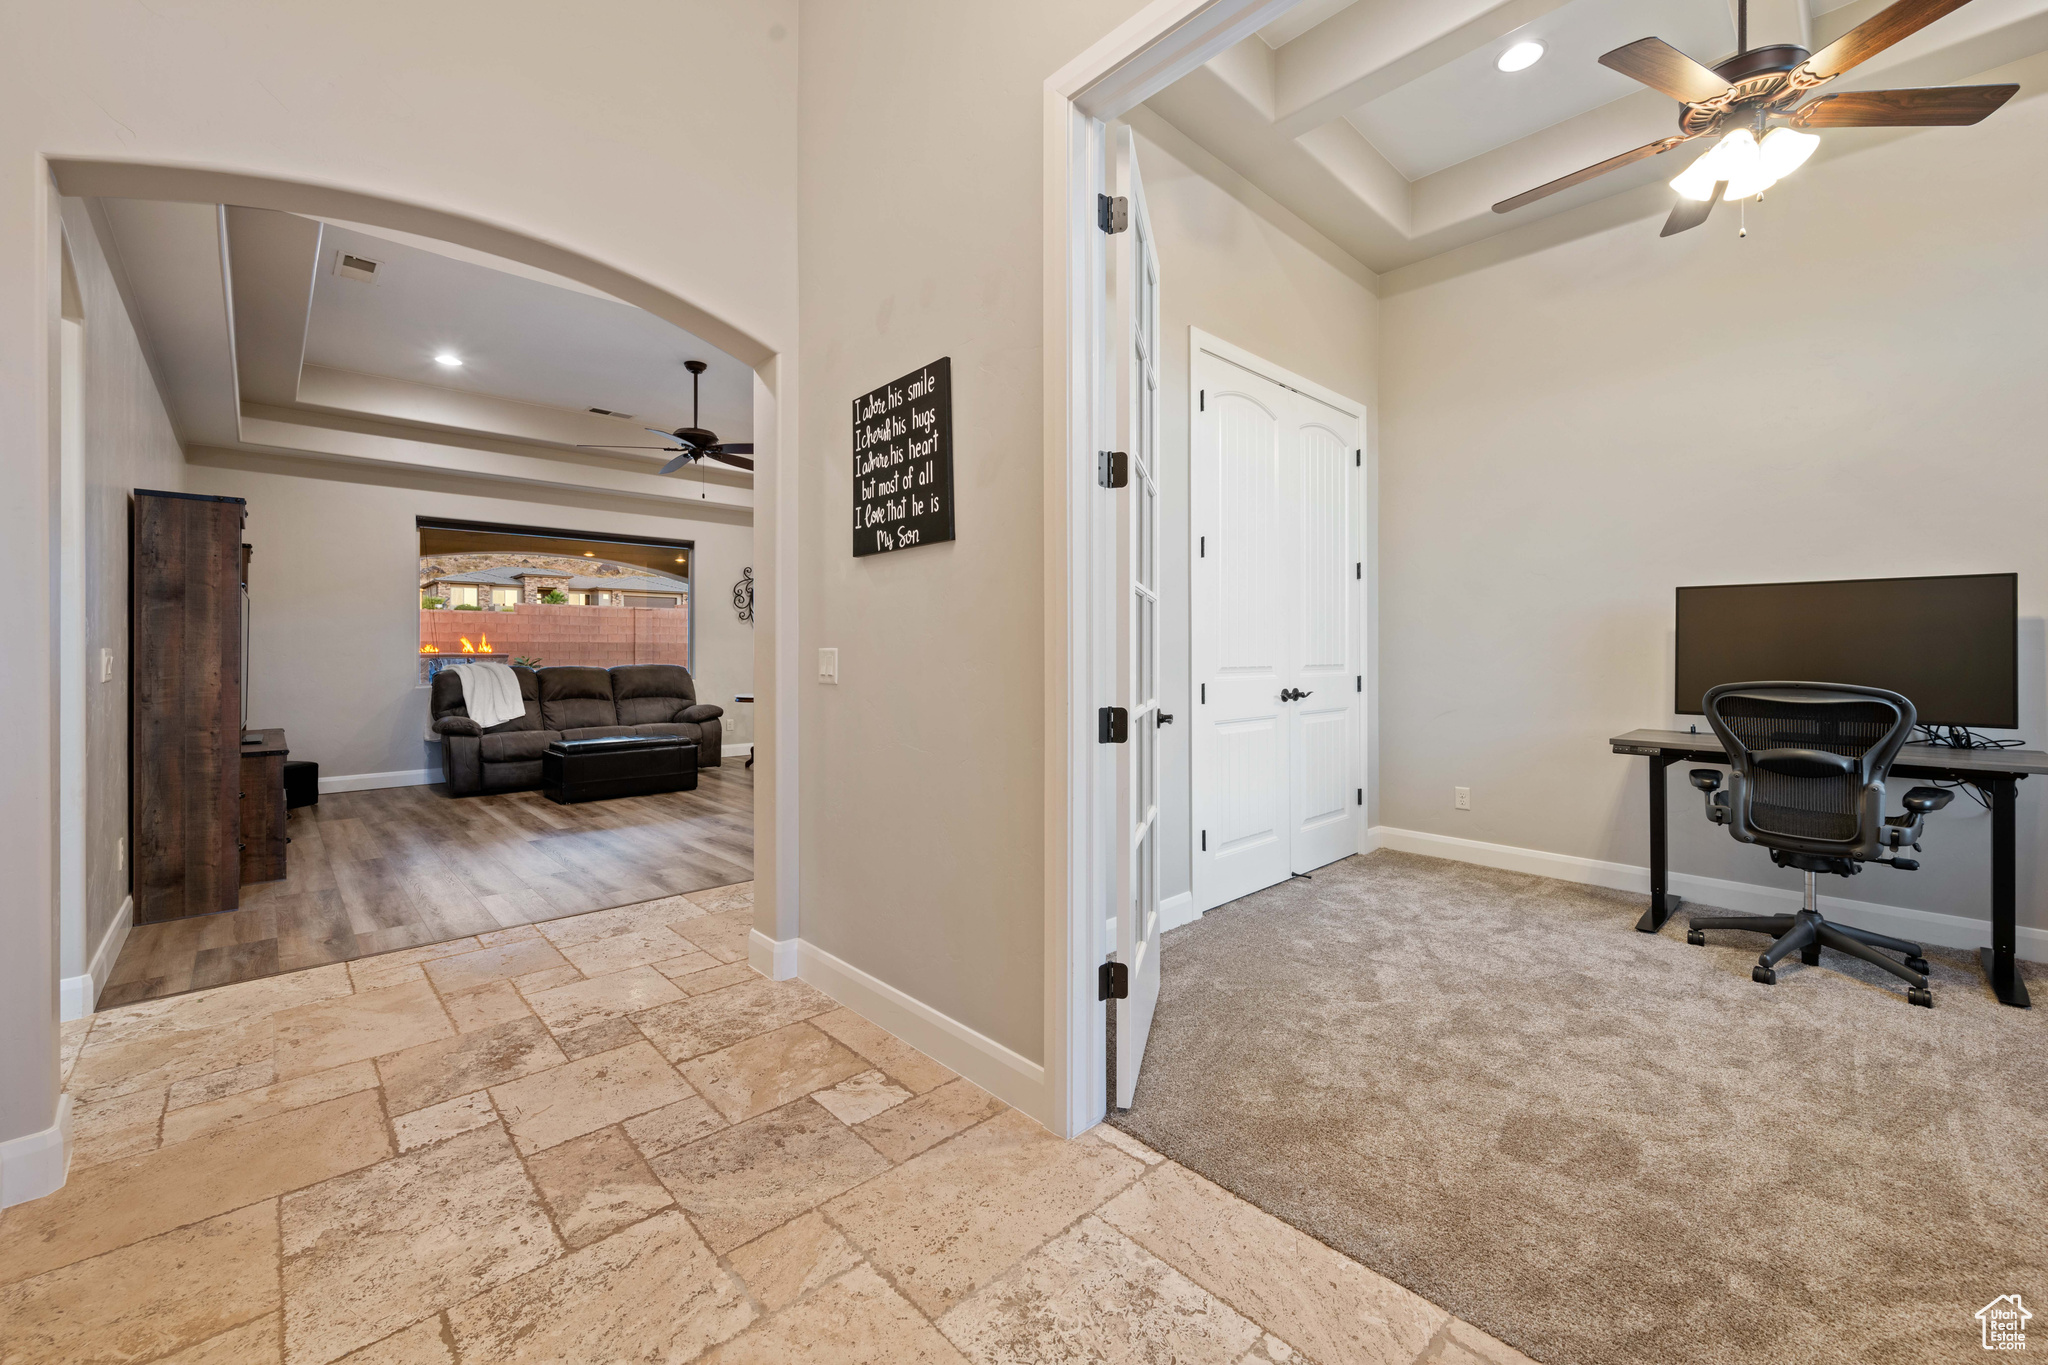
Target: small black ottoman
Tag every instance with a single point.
(618, 765)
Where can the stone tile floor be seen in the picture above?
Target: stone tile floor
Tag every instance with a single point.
(604, 1139)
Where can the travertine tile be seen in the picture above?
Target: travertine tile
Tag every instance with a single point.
(498, 1003)
(714, 977)
(859, 1098)
(689, 964)
(432, 1072)
(1124, 1142)
(118, 1126)
(722, 934)
(595, 1185)
(1091, 1294)
(1326, 1304)
(622, 919)
(240, 1003)
(617, 952)
(466, 971)
(582, 1097)
(259, 1342)
(396, 968)
(582, 1003)
(444, 1120)
(548, 979)
(602, 1036)
(855, 1320)
(715, 900)
(769, 1071)
(147, 1299)
(219, 1085)
(423, 1343)
(1460, 1343)
(947, 1222)
(651, 1292)
(673, 1125)
(518, 933)
(690, 1028)
(104, 1207)
(904, 1064)
(114, 1061)
(782, 1266)
(738, 1184)
(368, 1253)
(182, 1125)
(356, 1027)
(901, 1133)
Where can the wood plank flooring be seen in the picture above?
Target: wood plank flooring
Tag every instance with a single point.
(376, 871)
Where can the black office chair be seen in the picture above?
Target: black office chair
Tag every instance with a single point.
(1807, 763)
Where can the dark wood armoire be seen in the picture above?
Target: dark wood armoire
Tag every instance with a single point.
(185, 702)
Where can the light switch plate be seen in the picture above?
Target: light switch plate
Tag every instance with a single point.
(828, 665)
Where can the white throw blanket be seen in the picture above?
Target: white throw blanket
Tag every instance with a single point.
(490, 693)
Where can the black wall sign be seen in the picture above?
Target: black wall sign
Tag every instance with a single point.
(903, 462)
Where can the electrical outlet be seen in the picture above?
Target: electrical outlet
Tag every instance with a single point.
(730, 726)
(121, 854)
(106, 665)
(1461, 798)
(828, 665)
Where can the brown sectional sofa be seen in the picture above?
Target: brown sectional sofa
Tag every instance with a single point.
(567, 703)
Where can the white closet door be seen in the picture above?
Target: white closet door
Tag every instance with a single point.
(1239, 498)
(1322, 724)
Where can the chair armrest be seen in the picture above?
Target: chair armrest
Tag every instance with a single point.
(701, 712)
(1921, 800)
(457, 725)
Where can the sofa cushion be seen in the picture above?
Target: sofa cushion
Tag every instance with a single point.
(576, 698)
(596, 732)
(700, 713)
(670, 727)
(519, 746)
(446, 700)
(648, 694)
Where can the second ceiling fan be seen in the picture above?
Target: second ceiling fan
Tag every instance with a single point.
(1752, 102)
(693, 443)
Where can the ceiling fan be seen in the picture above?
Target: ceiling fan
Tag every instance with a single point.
(1752, 103)
(693, 443)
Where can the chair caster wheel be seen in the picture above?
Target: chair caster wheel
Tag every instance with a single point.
(1763, 975)
(1921, 996)
(1696, 937)
(1918, 964)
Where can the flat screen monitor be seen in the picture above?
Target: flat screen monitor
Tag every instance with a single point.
(1949, 644)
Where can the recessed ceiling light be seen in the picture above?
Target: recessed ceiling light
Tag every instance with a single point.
(450, 359)
(1520, 57)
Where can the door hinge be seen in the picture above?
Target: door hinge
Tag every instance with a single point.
(1113, 468)
(1113, 982)
(1202, 403)
(1205, 694)
(1358, 571)
(1112, 215)
(1205, 841)
(1112, 725)
(1358, 456)
(1361, 796)
(1204, 552)
(1361, 682)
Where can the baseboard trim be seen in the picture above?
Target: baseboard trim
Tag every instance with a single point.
(775, 959)
(35, 1164)
(1175, 911)
(77, 995)
(1009, 1076)
(369, 782)
(1741, 898)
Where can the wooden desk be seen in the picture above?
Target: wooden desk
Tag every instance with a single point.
(262, 808)
(1995, 772)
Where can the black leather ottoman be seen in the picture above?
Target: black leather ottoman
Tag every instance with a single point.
(620, 765)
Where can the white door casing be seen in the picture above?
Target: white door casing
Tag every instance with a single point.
(1276, 501)
(1134, 355)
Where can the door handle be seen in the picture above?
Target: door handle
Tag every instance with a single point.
(1293, 694)
(1165, 719)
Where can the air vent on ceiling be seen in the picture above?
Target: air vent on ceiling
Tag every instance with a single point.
(353, 267)
(607, 412)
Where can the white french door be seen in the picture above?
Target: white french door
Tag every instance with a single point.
(1134, 355)
(1276, 492)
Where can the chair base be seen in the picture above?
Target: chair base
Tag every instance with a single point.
(1806, 933)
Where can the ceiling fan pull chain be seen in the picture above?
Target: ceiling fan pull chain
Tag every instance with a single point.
(1742, 218)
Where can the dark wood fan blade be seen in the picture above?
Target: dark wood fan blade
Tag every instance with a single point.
(659, 432)
(1877, 33)
(671, 449)
(1688, 214)
(1949, 106)
(1565, 182)
(723, 457)
(738, 447)
(678, 462)
(1661, 66)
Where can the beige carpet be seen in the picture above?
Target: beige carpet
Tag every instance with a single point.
(1599, 1145)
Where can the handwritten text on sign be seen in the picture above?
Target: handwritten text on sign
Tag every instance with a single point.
(903, 462)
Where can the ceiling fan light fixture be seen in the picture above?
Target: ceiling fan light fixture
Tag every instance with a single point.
(1520, 57)
(1785, 150)
(449, 359)
(1736, 159)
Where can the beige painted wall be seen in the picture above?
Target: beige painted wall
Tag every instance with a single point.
(1852, 391)
(919, 226)
(333, 591)
(129, 444)
(540, 118)
(1237, 275)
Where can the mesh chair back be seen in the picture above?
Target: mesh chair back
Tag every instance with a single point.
(1818, 808)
